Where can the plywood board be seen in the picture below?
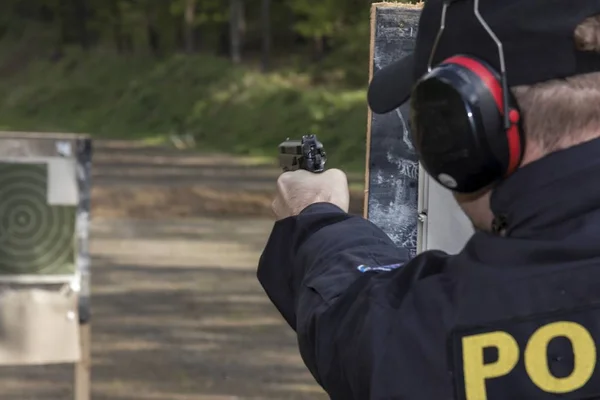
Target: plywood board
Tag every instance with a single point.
(392, 164)
(413, 210)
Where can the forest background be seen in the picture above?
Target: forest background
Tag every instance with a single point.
(235, 76)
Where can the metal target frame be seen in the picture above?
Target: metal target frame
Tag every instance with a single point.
(44, 234)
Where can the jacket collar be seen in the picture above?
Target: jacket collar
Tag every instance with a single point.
(546, 196)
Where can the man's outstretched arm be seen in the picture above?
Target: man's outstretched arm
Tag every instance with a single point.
(321, 251)
(334, 277)
(318, 269)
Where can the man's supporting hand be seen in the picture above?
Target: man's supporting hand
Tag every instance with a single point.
(299, 189)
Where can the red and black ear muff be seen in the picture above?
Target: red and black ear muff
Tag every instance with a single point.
(458, 125)
(491, 80)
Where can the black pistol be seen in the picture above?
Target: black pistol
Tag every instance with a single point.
(307, 153)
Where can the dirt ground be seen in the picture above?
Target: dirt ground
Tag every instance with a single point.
(131, 180)
(177, 311)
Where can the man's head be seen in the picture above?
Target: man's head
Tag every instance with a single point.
(557, 114)
(552, 52)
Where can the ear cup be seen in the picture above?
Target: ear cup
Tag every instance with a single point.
(458, 126)
(513, 139)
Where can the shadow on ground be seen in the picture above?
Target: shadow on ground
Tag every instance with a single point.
(179, 315)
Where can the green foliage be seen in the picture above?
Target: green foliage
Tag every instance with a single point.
(153, 68)
(334, 32)
(226, 108)
(318, 18)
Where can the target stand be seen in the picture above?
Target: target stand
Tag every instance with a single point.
(44, 252)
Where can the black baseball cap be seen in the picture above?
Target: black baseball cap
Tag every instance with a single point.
(537, 38)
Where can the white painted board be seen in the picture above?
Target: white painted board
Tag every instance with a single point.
(442, 224)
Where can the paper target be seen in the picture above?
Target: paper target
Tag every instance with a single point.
(36, 238)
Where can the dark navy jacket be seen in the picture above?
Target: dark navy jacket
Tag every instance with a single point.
(513, 317)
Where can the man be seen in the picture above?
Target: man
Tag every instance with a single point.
(515, 315)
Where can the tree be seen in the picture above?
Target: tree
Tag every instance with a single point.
(237, 27)
(266, 34)
(81, 21)
(190, 26)
(318, 21)
(336, 30)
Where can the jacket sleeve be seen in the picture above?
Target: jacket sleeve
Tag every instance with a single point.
(318, 269)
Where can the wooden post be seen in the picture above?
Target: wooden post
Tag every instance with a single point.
(83, 368)
(82, 384)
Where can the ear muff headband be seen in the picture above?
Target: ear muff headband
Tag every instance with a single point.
(491, 82)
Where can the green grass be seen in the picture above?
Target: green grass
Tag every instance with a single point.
(226, 108)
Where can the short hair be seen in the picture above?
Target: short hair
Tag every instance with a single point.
(564, 112)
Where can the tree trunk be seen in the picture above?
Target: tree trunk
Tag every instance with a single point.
(81, 13)
(153, 39)
(236, 26)
(152, 33)
(189, 30)
(266, 35)
(319, 48)
(63, 26)
(117, 25)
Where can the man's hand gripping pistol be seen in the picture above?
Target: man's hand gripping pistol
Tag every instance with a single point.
(307, 153)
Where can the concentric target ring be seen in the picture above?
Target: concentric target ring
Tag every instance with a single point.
(22, 220)
(12, 209)
(35, 237)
